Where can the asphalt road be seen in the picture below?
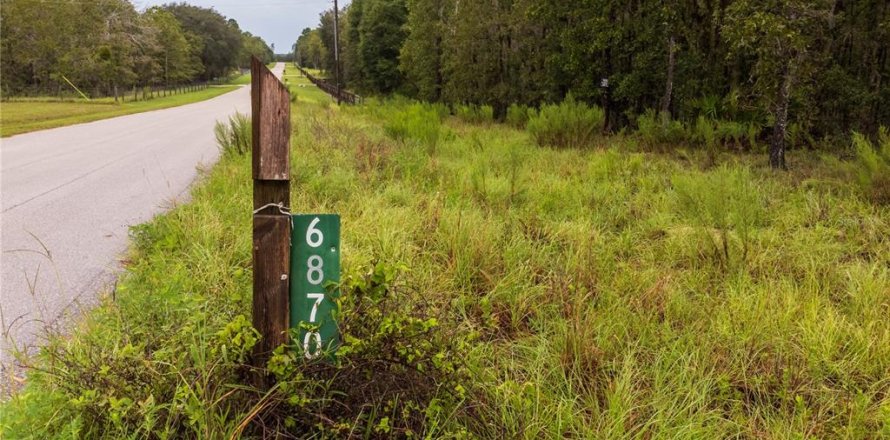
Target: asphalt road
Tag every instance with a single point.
(70, 194)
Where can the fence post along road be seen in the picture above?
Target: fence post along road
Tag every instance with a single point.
(270, 117)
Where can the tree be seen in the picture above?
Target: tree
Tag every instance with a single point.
(312, 51)
(381, 34)
(177, 58)
(421, 54)
(253, 46)
(781, 35)
(220, 39)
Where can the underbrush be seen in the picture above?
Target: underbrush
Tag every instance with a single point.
(474, 114)
(416, 122)
(518, 115)
(496, 289)
(872, 166)
(659, 131)
(569, 124)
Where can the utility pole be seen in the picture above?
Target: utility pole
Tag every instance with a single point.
(337, 48)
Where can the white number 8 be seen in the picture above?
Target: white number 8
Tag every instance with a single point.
(314, 268)
(314, 233)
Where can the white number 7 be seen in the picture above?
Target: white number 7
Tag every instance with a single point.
(318, 297)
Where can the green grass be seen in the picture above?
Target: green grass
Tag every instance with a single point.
(604, 293)
(240, 79)
(303, 89)
(22, 116)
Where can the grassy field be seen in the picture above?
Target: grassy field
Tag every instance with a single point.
(22, 116)
(240, 79)
(302, 89)
(602, 292)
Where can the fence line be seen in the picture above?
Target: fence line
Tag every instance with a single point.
(331, 89)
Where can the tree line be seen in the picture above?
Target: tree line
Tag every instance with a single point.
(106, 46)
(806, 70)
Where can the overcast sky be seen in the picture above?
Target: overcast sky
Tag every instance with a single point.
(276, 21)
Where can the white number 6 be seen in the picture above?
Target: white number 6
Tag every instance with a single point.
(312, 232)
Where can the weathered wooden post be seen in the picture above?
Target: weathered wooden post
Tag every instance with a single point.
(270, 108)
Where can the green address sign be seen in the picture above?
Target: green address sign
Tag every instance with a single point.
(315, 262)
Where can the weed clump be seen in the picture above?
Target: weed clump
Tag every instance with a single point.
(723, 203)
(873, 166)
(234, 137)
(517, 115)
(570, 124)
(474, 114)
(659, 129)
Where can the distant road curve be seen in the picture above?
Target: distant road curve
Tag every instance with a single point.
(70, 194)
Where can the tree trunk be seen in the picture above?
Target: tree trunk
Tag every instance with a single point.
(669, 84)
(607, 98)
(777, 146)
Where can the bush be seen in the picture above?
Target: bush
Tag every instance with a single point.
(570, 124)
(417, 122)
(873, 166)
(474, 114)
(723, 202)
(396, 371)
(517, 115)
(234, 137)
(705, 133)
(659, 129)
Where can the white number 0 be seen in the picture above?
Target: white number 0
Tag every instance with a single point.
(318, 347)
(312, 232)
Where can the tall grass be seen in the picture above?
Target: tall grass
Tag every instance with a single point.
(569, 124)
(517, 115)
(726, 203)
(416, 122)
(234, 137)
(474, 114)
(873, 165)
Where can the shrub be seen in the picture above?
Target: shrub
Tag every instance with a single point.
(659, 129)
(395, 369)
(570, 124)
(873, 166)
(722, 202)
(234, 137)
(417, 122)
(517, 115)
(705, 133)
(474, 114)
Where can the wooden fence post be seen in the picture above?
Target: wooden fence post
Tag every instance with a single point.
(270, 109)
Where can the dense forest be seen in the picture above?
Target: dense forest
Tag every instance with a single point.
(106, 46)
(802, 72)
